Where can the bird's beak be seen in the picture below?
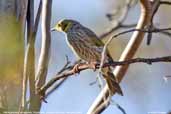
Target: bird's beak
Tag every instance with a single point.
(53, 29)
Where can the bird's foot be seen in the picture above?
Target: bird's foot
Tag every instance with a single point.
(76, 68)
(93, 65)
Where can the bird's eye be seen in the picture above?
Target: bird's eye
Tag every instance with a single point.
(65, 25)
(59, 25)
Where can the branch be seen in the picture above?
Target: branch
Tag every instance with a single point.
(165, 33)
(45, 49)
(65, 72)
(69, 71)
(165, 3)
(155, 6)
(41, 91)
(65, 67)
(155, 30)
(119, 22)
(119, 26)
(140, 60)
(55, 87)
(37, 18)
(29, 60)
(128, 53)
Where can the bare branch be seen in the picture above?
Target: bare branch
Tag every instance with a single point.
(29, 71)
(45, 49)
(30, 20)
(119, 22)
(65, 67)
(37, 18)
(140, 30)
(119, 26)
(166, 33)
(70, 71)
(29, 63)
(155, 6)
(55, 87)
(165, 3)
(128, 53)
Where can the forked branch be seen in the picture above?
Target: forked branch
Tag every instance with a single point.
(69, 70)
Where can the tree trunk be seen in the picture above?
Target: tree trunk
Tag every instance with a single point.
(12, 24)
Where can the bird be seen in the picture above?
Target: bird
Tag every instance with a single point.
(88, 47)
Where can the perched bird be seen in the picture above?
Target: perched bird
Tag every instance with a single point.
(88, 47)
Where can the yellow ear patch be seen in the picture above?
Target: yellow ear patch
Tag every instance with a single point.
(67, 26)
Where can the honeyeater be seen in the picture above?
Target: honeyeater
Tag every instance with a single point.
(88, 47)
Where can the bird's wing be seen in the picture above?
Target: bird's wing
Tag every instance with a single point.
(95, 41)
(92, 37)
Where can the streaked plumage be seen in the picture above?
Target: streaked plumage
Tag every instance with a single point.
(86, 45)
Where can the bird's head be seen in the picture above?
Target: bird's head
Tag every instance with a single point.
(65, 25)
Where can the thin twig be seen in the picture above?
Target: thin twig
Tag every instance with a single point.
(142, 30)
(165, 3)
(55, 87)
(155, 6)
(118, 106)
(65, 67)
(119, 26)
(166, 33)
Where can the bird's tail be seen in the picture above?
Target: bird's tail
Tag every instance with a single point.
(111, 81)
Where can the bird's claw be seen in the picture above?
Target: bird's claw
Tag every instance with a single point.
(76, 68)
